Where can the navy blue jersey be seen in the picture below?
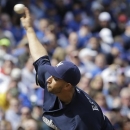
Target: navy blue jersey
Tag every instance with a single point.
(81, 114)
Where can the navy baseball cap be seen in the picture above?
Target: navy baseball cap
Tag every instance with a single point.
(66, 71)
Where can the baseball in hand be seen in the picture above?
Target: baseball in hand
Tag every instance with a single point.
(19, 8)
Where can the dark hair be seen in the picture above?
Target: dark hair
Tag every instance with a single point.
(20, 128)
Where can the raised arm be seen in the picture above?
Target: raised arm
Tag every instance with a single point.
(36, 48)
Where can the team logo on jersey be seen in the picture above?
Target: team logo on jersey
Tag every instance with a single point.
(59, 64)
(49, 123)
(94, 106)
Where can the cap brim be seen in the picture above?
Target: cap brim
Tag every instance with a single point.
(51, 70)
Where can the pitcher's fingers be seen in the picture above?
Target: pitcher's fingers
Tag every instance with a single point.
(27, 13)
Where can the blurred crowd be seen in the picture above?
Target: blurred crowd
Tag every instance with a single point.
(93, 34)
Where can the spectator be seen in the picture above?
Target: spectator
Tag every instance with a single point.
(6, 69)
(106, 40)
(94, 44)
(96, 85)
(5, 125)
(12, 115)
(84, 33)
(101, 101)
(28, 76)
(112, 99)
(30, 124)
(125, 101)
(87, 57)
(73, 40)
(25, 113)
(74, 57)
(100, 63)
(126, 36)
(42, 27)
(84, 83)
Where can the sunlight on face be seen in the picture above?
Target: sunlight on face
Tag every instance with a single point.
(55, 85)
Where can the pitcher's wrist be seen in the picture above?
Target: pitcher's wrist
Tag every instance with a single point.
(29, 29)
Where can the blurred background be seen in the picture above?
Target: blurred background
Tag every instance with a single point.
(93, 34)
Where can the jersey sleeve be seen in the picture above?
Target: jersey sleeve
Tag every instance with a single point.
(41, 72)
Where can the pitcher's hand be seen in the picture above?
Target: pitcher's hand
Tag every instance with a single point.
(26, 20)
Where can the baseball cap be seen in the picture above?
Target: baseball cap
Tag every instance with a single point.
(16, 73)
(86, 22)
(106, 35)
(87, 52)
(104, 16)
(4, 42)
(66, 71)
(122, 18)
(10, 57)
(96, 6)
(45, 40)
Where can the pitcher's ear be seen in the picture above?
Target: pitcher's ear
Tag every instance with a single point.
(68, 86)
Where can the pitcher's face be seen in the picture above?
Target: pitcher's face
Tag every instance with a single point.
(55, 85)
